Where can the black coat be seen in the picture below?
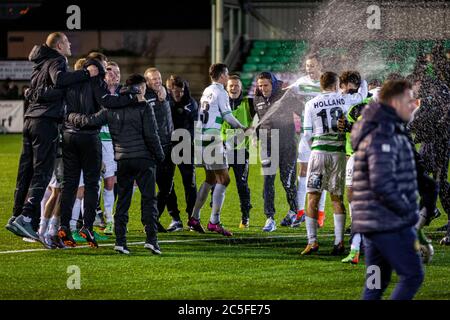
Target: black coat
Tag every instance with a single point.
(184, 113)
(163, 117)
(133, 129)
(49, 79)
(88, 97)
(384, 177)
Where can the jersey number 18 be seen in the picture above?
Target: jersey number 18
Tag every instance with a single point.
(334, 114)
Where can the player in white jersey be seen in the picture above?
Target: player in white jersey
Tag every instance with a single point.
(309, 87)
(214, 109)
(112, 79)
(326, 166)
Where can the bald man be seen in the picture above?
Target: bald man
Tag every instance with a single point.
(49, 78)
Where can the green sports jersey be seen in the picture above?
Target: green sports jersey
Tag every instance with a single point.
(242, 113)
(353, 115)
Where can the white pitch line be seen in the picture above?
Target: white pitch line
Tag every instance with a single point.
(168, 241)
(324, 235)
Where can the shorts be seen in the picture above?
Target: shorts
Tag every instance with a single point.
(108, 160)
(326, 171)
(349, 171)
(304, 150)
(213, 157)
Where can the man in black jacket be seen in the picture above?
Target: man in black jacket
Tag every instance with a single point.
(137, 150)
(184, 111)
(384, 203)
(49, 79)
(82, 149)
(157, 97)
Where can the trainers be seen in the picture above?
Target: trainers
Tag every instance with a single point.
(161, 229)
(270, 225)
(195, 225)
(77, 237)
(153, 247)
(445, 241)
(10, 227)
(321, 219)
(348, 231)
(175, 226)
(66, 237)
(122, 249)
(288, 219)
(353, 257)
(244, 224)
(299, 219)
(99, 220)
(99, 237)
(25, 228)
(88, 235)
(109, 228)
(57, 242)
(431, 217)
(217, 227)
(310, 248)
(338, 249)
(43, 238)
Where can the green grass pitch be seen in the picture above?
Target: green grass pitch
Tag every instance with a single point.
(251, 265)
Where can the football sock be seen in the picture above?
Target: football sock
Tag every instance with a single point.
(202, 195)
(75, 214)
(108, 202)
(356, 242)
(43, 226)
(301, 192)
(218, 199)
(311, 229)
(339, 226)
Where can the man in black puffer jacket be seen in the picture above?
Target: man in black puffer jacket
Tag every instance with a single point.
(385, 208)
(157, 97)
(137, 150)
(49, 79)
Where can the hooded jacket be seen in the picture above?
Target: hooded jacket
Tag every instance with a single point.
(49, 79)
(185, 112)
(282, 119)
(384, 178)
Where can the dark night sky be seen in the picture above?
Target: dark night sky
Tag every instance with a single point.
(109, 15)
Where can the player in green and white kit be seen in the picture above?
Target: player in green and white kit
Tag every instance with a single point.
(112, 78)
(326, 166)
(214, 109)
(309, 87)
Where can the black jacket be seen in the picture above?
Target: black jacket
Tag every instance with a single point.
(49, 79)
(163, 117)
(384, 177)
(88, 97)
(184, 113)
(133, 130)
